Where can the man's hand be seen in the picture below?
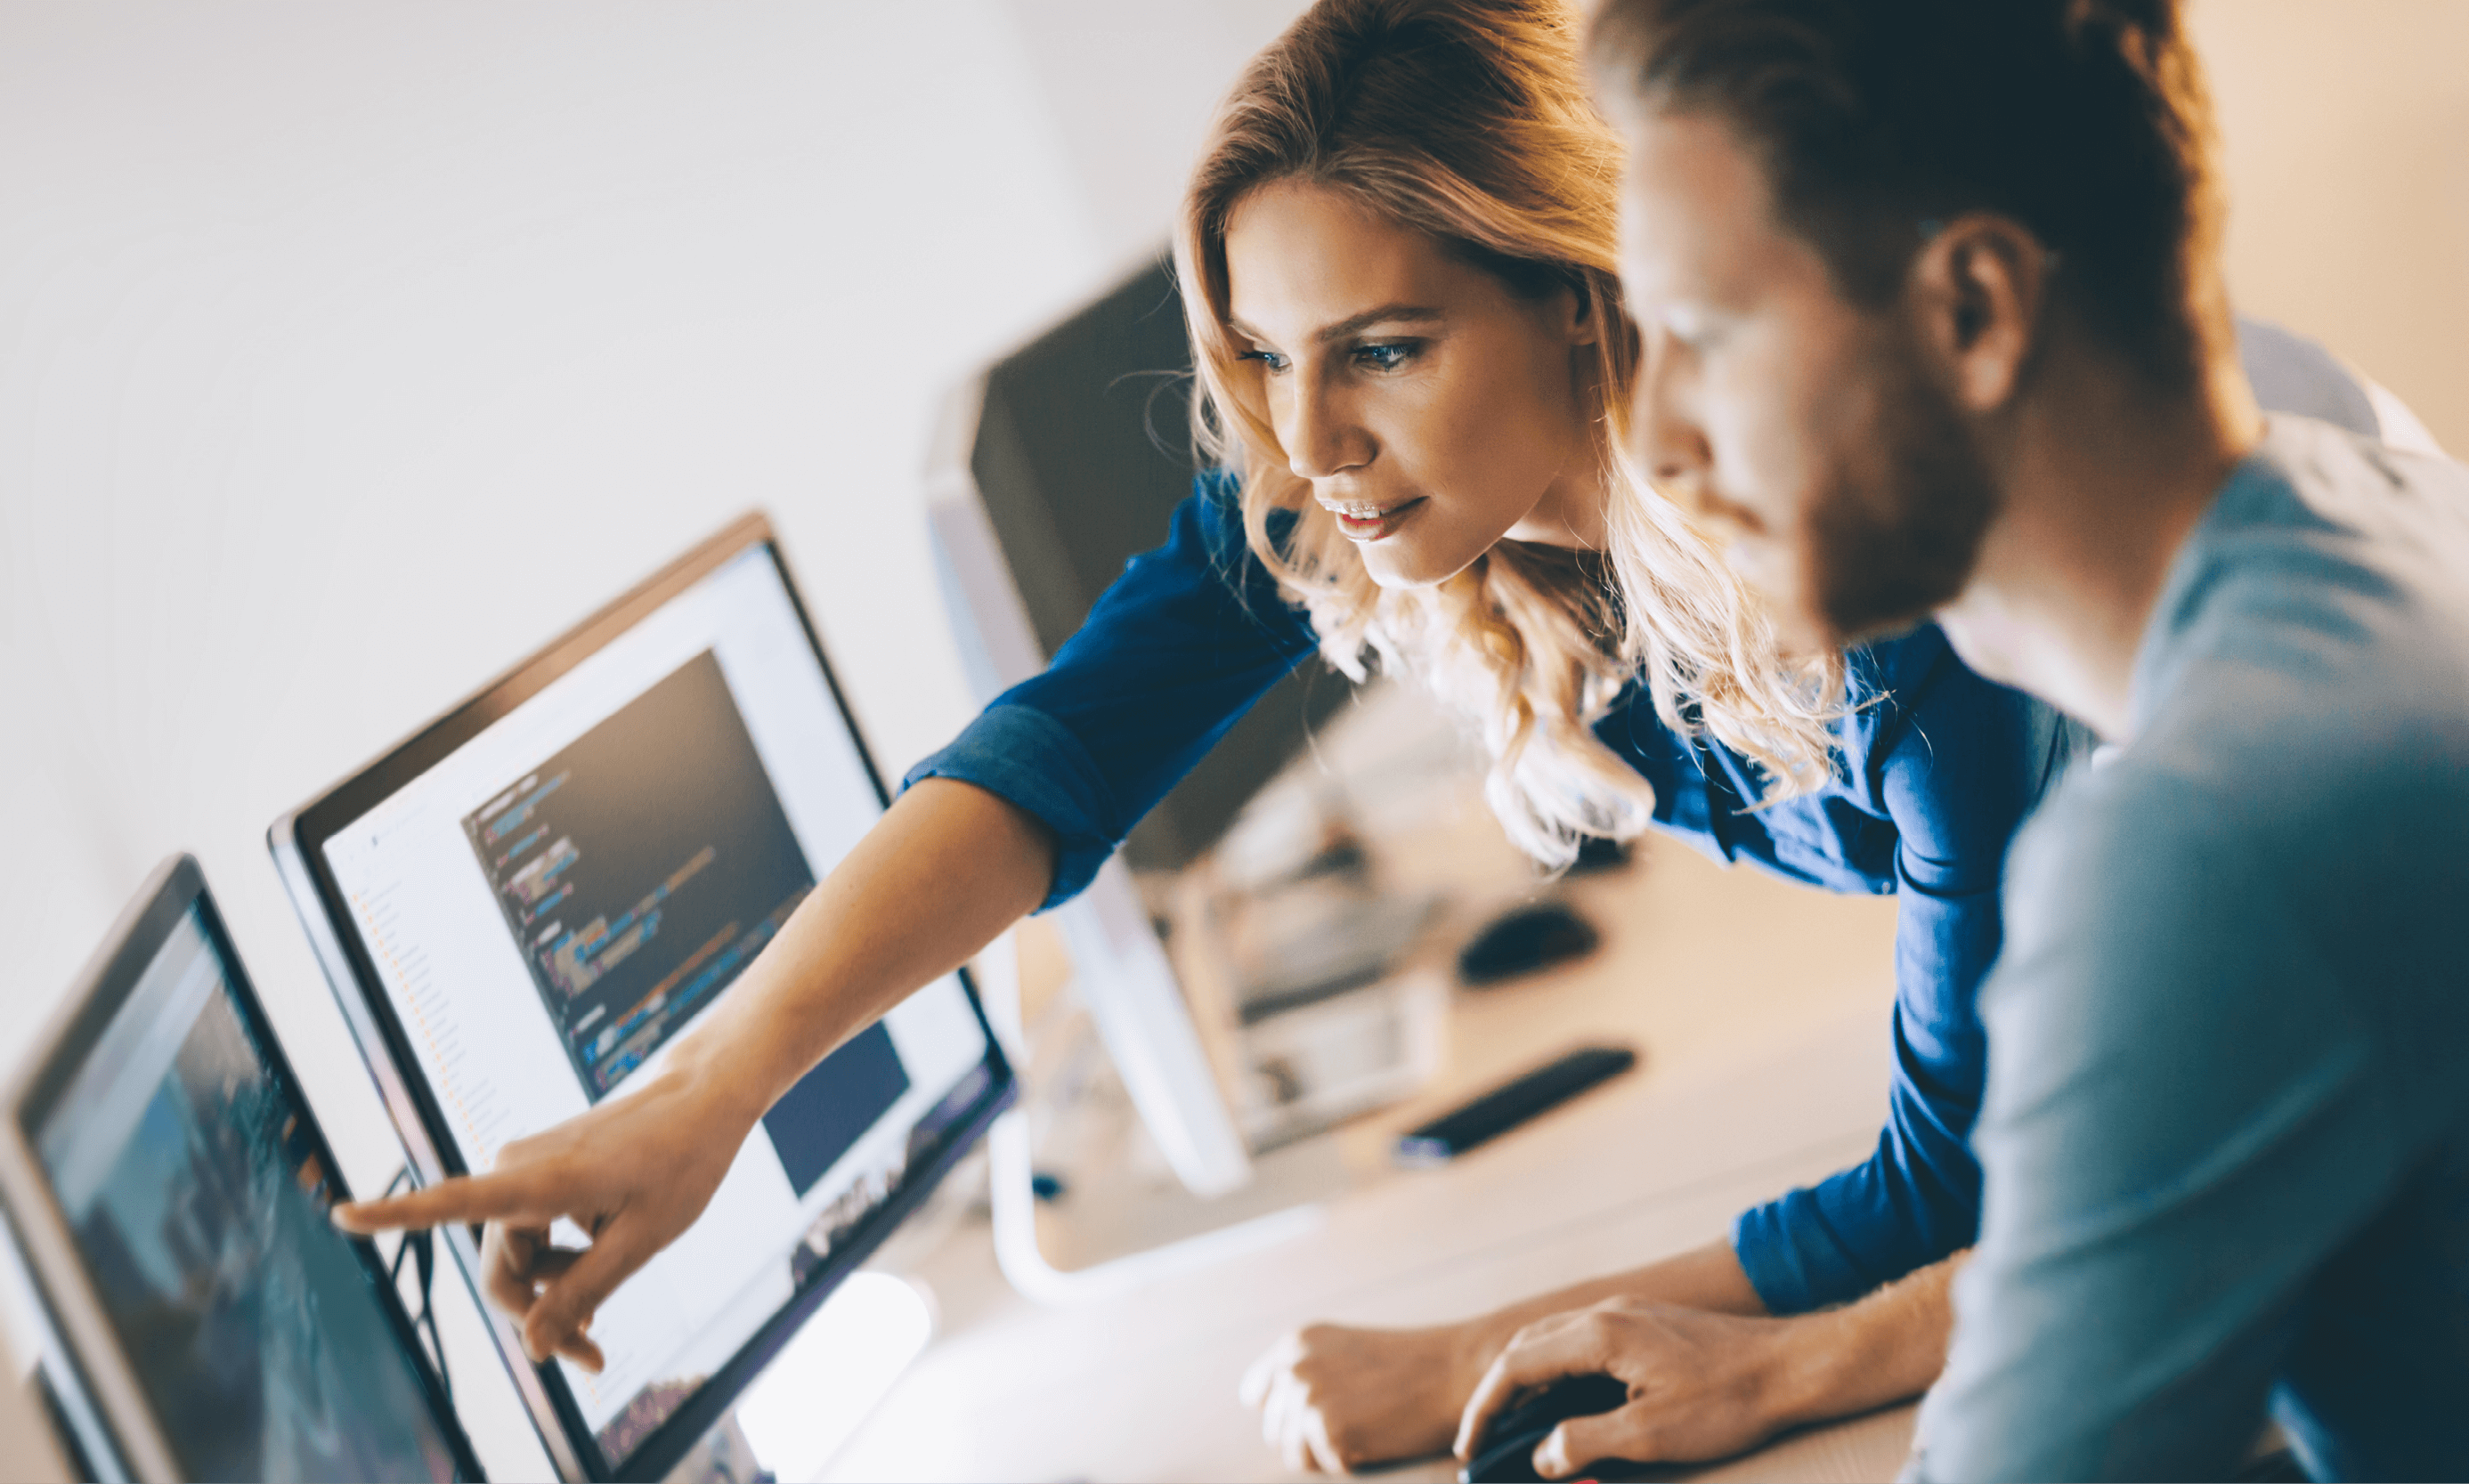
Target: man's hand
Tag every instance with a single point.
(1701, 1385)
(1334, 1399)
(1337, 1399)
(632, 1173)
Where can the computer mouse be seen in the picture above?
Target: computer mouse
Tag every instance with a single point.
(1525, 940)
(1507, 1450)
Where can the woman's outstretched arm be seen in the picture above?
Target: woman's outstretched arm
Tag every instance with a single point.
(945, 871)
(1020, 810)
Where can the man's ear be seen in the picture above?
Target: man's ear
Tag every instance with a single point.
(1975, 293)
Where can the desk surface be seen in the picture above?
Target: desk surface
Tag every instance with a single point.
(1762, 1011)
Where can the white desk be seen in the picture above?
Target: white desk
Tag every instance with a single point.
(1762, 1012)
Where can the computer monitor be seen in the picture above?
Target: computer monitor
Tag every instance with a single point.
(170, 1187)
(523, 904)
(1059, 464)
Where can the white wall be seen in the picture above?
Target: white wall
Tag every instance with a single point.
(2346, 132)
(349, 352)
(1131, 84)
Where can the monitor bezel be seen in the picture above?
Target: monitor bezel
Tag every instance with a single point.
(75, 1309)
(299, 840)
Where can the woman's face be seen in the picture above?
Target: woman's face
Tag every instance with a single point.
(1433, 411)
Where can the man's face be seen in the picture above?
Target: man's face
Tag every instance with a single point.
(1802, 430)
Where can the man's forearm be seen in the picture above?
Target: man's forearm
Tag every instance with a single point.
(1885, 1347)
(1708, 1277)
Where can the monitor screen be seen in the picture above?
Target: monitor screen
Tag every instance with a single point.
(551, 903)
(195, 1189)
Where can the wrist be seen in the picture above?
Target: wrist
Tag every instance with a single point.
(1476, 1343)
(716, 1082)
(1803, 1374)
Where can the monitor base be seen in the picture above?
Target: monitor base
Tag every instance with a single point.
(1107, 1234)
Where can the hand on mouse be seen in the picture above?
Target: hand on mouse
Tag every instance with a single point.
(1334, 1399)
(1701, 1384)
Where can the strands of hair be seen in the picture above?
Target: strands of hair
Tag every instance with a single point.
(2084, 121)
(1469, 120)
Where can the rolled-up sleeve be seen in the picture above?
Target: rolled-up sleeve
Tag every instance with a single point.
(1172, 656)
(1956, 765)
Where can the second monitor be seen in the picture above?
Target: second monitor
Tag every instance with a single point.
(523, 906)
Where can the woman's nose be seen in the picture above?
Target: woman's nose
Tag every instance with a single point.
(1321, 436)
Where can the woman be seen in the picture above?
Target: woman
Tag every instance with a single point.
(1414, 372)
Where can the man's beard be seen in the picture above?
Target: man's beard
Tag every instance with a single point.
(1895, 532)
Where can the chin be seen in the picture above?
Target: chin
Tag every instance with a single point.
(1800, 628)
(1396, 566)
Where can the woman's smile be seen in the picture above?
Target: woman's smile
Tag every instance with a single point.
(1362, 520)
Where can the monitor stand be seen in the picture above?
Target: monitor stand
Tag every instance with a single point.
(1084, 1208)
(815, 1394)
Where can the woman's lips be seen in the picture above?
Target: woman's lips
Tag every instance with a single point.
(1371, 522)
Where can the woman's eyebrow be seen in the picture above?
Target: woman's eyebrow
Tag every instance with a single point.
(1353, 324)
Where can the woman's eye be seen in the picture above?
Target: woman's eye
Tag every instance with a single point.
(1270, 360)
(1385, 357)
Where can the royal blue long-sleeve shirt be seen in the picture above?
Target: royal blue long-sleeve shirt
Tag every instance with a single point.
(1937, 770)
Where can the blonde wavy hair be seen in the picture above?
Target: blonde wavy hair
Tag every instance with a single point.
(1469, 121)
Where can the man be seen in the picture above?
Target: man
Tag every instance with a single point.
(1936, 329)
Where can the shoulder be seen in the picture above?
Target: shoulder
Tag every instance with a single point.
(1934, 736)
(1214, 512)
(2283, 835)
(1914, 691)
(2325, 579)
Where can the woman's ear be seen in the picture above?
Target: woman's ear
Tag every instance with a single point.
(1583, 325)
(1976, 294)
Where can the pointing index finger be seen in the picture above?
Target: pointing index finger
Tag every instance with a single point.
(461, 1197)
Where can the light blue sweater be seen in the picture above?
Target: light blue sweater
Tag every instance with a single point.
(2226, 1135)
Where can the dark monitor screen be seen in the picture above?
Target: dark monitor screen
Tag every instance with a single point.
(193, 1185)
(1081, 451)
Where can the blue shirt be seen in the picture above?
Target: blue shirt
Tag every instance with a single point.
(2227, 1129)
(1938, 771)
(1936, 774)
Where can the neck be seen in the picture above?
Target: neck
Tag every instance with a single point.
(1573, 509)
(2102, 478)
